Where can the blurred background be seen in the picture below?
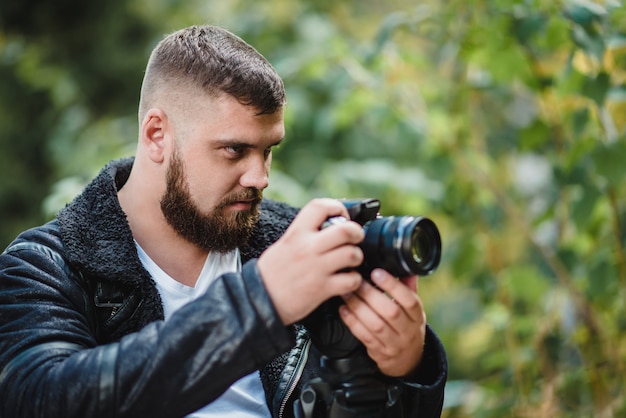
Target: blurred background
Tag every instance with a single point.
(502, 120)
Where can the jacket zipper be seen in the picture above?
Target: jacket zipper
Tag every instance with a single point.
(295, 378)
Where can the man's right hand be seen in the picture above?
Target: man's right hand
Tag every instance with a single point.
(306, 266)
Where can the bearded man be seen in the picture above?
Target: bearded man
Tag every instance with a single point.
(169, 287)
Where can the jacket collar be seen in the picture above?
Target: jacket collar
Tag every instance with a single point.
(95, 231)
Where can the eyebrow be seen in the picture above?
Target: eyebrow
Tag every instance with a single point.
(240, 143)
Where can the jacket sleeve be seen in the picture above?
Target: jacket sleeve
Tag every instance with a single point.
(424, 390)
(51, 365)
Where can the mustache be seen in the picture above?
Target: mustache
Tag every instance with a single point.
(247, 194)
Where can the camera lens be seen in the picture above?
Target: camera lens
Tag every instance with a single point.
(402, 245)
(419, 245)
(424, 245)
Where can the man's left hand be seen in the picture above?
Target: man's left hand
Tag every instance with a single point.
(389, 320)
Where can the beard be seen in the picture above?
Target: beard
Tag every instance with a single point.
(211, 231)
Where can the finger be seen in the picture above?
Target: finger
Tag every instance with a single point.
(376, 312)
(314, 213)
(341, 234)
(341, 284)
(384, 307)
(344, 257)
(361, 329)
(402, 295)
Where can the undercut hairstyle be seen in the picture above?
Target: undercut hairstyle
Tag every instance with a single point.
(215, 61)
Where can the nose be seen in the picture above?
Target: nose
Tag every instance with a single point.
(256, 174)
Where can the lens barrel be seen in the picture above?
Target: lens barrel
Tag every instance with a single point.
(402, 245)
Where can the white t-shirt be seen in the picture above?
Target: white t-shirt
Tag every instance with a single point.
(245, 398)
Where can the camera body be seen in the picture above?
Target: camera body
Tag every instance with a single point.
(402, 245)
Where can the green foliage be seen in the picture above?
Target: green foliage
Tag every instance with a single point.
(504, 121)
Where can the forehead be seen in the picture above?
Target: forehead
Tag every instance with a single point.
(225, 118)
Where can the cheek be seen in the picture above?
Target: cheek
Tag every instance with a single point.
(203, 183)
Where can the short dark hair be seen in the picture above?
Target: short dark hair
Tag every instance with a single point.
(217, 61)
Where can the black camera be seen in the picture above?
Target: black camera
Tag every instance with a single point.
(402, 245)
(350, 384)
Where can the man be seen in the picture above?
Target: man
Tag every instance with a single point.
(169, 288)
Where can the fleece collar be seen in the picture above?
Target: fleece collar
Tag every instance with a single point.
(96, 233)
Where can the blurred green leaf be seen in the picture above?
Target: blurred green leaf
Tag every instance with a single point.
(527, 27)
(596, 88)
(609, 162)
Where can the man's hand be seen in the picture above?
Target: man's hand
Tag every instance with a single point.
(304, 267)
(389, 321)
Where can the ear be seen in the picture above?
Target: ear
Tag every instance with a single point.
(153, 134)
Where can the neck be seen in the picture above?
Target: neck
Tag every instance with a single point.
(180, 259)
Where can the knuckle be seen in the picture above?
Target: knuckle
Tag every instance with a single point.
(377, 327)
(325, 202)
(356, 231)
(412, 304)
(356, 281)
(394, 312)
(390, 352)
(316, 204)
(318, 201)
(356, 256)
(348, 232)
(350, 282)
(349, 257)
(385, 360)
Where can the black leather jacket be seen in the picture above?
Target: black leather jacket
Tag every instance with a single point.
(81, 330)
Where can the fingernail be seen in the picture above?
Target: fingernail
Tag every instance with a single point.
(377, 276)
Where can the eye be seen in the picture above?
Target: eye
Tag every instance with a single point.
(234, 150)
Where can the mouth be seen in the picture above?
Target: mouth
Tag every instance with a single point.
(244, 201)
(243, 204)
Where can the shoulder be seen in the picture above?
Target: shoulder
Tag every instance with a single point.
(45, 238)
(37, 260)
